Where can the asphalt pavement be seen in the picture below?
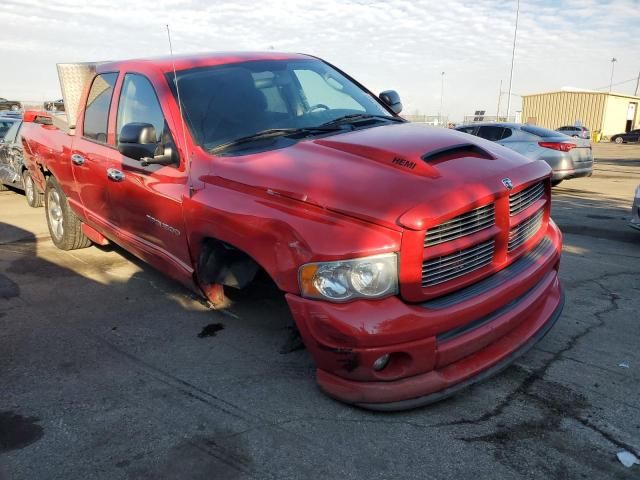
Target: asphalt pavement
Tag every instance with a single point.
(109, 370)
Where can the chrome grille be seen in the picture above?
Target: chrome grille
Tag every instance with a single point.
(460, 226)
(524, 230)
(462, 262)
(521, 200)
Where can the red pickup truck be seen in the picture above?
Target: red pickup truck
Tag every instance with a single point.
(415, 260)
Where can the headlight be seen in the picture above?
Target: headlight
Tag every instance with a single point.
(367, 277)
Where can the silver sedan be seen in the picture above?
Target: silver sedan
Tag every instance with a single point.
(568, 157)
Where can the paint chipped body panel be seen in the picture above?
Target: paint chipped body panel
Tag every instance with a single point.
(467, 220)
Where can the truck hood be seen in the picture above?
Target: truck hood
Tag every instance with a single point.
(399, 175)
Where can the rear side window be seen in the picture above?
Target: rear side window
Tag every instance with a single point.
(539, 131)
(491, 132)
(466, 129)
(96, 113)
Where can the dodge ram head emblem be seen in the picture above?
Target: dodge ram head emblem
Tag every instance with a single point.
(507, 183)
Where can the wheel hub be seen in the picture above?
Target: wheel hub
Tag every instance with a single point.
(54, 211)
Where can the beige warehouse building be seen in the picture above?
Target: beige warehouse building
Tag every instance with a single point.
(610, 113)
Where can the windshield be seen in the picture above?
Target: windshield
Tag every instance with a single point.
(228, 102)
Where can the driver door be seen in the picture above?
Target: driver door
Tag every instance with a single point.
(148, 199)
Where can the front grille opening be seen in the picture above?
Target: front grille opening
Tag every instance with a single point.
(454, 265)
(522, 199)
(524, 230)
(461, 226)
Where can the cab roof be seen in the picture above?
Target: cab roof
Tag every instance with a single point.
(183, 62)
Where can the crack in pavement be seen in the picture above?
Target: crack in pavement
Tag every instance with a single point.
(523, 389)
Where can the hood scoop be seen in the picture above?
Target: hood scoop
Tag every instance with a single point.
(407, 147)
(456, 151)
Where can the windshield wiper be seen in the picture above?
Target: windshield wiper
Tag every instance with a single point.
(274, 133)
(355, 117)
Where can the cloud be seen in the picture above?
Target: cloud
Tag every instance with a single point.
(385, 44)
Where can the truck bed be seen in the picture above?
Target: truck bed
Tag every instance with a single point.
(45, 145)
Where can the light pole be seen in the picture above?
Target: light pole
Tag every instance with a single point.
(613, 63)
(513, 56)
(441, 97)
(499, 100)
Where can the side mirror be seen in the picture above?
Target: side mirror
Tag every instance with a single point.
(392, 100)
(139, 141)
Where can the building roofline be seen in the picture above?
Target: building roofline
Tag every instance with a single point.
(590, 92)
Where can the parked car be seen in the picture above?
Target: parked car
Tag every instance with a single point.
(9, 104)
(55, 105)
(415, 261)
(635, 210)
(11, 114)
(573, 131)
(5, 124)
(13, 172)
(629, 137)
(569, 158)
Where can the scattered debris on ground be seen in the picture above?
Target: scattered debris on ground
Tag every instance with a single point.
(628, 459)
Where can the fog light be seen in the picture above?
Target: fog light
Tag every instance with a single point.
(381, 362)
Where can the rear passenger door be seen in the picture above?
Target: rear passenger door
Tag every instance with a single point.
(92, 155)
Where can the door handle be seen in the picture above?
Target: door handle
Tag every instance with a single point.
(77, 159)
(115, 175)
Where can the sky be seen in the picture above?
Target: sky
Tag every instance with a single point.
(390, 44)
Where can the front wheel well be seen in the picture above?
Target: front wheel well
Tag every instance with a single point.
(220, 263)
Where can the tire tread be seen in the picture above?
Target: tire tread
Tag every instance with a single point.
(38, 200)
(72, 237)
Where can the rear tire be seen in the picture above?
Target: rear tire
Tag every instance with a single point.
(65, 227)
(34, 198)
(618, 140)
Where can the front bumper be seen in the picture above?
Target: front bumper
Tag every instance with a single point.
(437, 347)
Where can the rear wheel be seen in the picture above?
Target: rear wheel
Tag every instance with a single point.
(64, 226)
(618, 140)
(34, 198)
